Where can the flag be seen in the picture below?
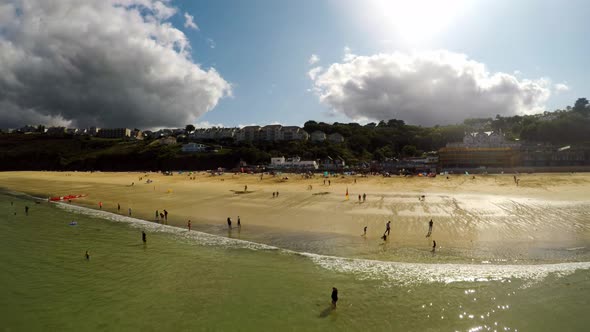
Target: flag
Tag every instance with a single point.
(346, 193)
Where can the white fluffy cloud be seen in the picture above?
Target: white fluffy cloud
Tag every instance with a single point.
(189, 21)
(426, 88)
(561, 87)
(109, 63)
(313, 59)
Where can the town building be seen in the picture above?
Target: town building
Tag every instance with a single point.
(318, 136)
(56, 131)
(248, 133)
(292, 133)
(114, 133)
(336, 163)
(168, 140)
(480, 150)
(193, 147)
(270, 133)
(293, 163)
(544, 155)
(335, 138)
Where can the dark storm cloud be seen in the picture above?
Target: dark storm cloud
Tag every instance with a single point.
(107, 63)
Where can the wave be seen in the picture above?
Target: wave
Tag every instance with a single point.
(396, 272)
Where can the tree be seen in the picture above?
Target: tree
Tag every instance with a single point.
(409, 150)
(189, 128)
(581, 104)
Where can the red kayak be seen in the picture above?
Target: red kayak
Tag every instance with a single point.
(64, 198)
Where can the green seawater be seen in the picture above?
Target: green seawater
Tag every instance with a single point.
(199, 282)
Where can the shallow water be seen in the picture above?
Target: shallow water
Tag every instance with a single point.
(197, 281)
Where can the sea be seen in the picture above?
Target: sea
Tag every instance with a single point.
(198, 281)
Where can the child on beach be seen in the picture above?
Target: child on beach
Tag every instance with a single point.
(334, 297)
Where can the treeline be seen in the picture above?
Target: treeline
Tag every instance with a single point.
(39, 152)
(363, 143)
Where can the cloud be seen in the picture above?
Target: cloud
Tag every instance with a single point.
(189, 21)
(561, 87)
(207, 124)
(108, 63)
(313, 73)
(425, 88)
(313, 59)
(348, 55)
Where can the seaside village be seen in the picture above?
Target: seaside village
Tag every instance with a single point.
(479, 152)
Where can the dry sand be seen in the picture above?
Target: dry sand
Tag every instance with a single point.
(545, 210)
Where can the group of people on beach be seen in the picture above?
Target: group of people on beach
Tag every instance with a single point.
(162, 216)
(388, 232)
(229, 223)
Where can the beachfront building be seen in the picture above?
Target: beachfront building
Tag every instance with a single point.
(114, 133)
(481, 150)
(544, 155)
(336, 138)
(293, 163)
(330, 163)
(318, 136)
(193, 148)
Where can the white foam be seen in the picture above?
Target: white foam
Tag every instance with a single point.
(396, 272)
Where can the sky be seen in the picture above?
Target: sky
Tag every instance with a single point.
(155, 63)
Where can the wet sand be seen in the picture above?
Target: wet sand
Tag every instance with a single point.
(489, 215)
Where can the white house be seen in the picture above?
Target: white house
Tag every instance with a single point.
(295, 162)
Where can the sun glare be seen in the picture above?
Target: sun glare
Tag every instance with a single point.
(414, 20)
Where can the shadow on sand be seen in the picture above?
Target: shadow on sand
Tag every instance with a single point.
(326, 312)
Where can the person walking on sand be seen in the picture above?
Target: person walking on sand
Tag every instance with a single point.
(118, 207)
(273, 194)
(143, 237)
(430, 223)
(129, 212)
(87, 255)
(26, 210)
(100, 205)
(239, 222)
(365, 231)
(359, 198)
(189, 225)
(166, 216)
(157, 214)
(334, 297)
(229, 222)
(387, 228)
(245, 188)
(433, 246)
(364, 197)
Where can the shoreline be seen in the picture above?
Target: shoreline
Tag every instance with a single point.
(480, 218)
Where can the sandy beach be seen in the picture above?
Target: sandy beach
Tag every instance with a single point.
(488, 211)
